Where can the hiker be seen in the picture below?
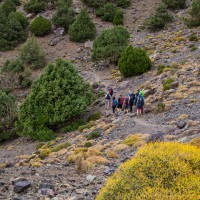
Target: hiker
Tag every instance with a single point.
(114, 104)
(107, 100)
(139, 105)
(125, 104)
(142, 94)
(131, 101)
(120, 102)
(110, 91)
(136, 96)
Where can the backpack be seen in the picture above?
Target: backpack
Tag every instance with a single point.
(115, 102)
(110, 91)
(132, 98)
(139, 100)
(108, 97)
(126, 101)
(121, 101)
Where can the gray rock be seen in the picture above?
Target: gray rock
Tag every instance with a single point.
(90, 178)
(46, 192)
(21, 186)
(174, 84)
(157, 137)
(54, 42)
(89, 45)
(59, 32)
(81, 191)
(46, 186)
(181, 124)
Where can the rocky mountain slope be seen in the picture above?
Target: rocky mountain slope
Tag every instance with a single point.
(65, 168)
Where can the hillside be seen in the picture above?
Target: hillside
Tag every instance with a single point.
(76, 164)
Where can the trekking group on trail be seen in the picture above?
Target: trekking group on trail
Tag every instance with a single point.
(126, 103)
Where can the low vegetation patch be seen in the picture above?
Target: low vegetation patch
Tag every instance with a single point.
(167, 83)
(93, 135)
(175, 4)
(86, 126)
(167, 170)
(60, 146)
(95, 116)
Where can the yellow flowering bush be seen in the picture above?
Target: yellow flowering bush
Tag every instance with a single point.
(159, 171)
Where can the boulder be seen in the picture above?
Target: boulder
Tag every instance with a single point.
(90, 178)
(89, 45)
(54, 42)
(156, 137)
(181, 124)
(20, 186)
(59, 32)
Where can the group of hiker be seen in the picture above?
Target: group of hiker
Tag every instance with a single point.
(125, 103)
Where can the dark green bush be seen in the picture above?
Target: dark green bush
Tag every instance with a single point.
(16, 2)
(95, 116)
(107, 12)
(35, 6)
(194, 19)
(63, 17)
(32, 55)
(93, 135)
(110, 44)
(193, 37)
(73, 126)
(134, 61)
(7, 115)
(40, 26)
(57, 96)
(82, 29)
(159, 19)
(88, 144)
(175, 4)
(21, 18)
(94, 3)
(123, 3)
(118, 19)
(15, 66)
(7, 7)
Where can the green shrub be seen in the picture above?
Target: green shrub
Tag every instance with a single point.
(35, 6)
(11, 30)
(16, 2)
(32, 55)
(107, 12)
(88, 144)
(158, 171)
(134, 61)
(93, 135)
(21, 18)
(15, 66)
(193, 48)
(82, 29)
(194, 19)
(73, 126)
(61, 146)
(88, 125)
(123, 3)
(44, 153)
(95, 116)
(167, 84)
(7, 115)
(94, 3)
(160, 107)
(26, 82)
(175, 4)
(193, 37)
(118, 19)
(57, 96)
(159, 19)
(63, 17)
(7, 7)
(40, 26)
(160, 69)
(110, 44)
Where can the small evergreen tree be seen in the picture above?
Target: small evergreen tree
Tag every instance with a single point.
(82, 29)
(21, 18)
(32, 55)
(94, 3)
(64, 17)
(35, 6)
(7, 7)
(134, 61)
(159, 19)
(110, 44)
(40, 26)
(194, 19)
(175, 4)
(107, 12)
(57, 96)
(118, 19)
